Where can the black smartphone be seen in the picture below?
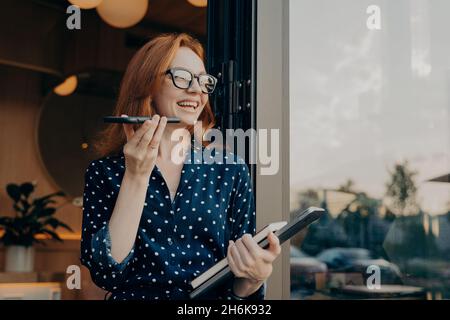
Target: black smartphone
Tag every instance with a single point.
(134, 120)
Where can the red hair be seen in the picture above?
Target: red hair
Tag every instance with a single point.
(142, 78)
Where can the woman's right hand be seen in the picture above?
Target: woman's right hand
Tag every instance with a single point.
(142, 146)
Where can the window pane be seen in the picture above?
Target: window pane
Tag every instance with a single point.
(369, 130)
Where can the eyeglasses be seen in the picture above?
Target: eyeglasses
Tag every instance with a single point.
(183, 79)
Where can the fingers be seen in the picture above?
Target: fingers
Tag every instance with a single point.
(134, 136)
(237, 258)
(148, 131)
(274, 244)
(239, 266)
(232, 262)
(248, 260)
(154, 144)
(244, 254)
(128, 129)
(255, 250)
(147, 135)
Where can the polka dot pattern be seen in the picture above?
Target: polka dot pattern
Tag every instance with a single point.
(178, 238)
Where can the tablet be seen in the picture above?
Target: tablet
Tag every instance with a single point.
(203, 284)
(259, 237)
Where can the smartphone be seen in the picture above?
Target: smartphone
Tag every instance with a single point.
(134, 120)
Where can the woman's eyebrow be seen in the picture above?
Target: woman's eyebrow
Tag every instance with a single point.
(200, 73)
(190, 70)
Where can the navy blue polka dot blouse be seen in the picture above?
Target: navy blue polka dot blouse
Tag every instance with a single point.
(176, 240)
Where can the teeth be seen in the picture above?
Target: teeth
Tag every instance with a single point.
(188, 104)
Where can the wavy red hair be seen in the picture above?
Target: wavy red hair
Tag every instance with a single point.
(142, 78)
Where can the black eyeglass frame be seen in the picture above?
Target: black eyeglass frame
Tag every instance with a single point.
(193, 76)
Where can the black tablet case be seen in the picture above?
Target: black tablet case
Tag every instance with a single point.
(300, 221)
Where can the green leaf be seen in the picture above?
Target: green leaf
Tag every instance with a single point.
(13, 191)
(52, 222)
(25, 206)
(55, 223)
(65, 226)
(45, 212)
(18, 208)
(26, 188)
(54, 235)
(21, 229)
(42, 199)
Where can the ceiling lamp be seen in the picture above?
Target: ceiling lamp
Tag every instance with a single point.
(122, 14)
(86, 4)
(67, 87)
(198, 3)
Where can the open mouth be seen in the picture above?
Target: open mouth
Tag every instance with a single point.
(185, 104)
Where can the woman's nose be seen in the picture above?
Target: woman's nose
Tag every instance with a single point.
(195, 87)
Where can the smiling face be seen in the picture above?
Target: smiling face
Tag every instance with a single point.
(186, 104)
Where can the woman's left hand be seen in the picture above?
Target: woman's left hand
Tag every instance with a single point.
(248, 260)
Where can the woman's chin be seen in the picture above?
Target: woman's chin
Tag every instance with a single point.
(189, 120)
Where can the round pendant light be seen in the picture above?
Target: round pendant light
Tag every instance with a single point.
(122, 14)
(198, 3)
(86, 4)
(67, 87)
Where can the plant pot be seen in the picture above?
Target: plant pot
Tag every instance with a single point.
(19, 259)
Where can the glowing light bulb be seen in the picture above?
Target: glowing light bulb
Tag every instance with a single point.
(67, 87)
(86, 4)
(198, 3)
(122, 14)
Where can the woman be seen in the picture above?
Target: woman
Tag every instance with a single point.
(151, 224)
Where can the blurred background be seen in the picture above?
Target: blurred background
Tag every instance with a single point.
(370, 142)
(55, 86)
(369, 133)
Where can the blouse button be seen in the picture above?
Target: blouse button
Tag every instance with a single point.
(170, 242)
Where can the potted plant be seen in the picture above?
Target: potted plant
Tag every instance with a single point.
(32, 218)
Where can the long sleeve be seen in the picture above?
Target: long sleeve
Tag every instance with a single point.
(98, 203)
(244, 217)
(243, 204)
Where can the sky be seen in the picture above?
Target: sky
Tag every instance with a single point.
(362, 100)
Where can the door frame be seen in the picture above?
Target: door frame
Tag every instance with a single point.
(272, 95)
(248, 51)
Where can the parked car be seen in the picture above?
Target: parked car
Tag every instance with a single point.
(358, 260)
(339, 259)
(306, 271)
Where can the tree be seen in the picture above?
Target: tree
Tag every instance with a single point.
(401, 189)
(308, 198)
(347, 186)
